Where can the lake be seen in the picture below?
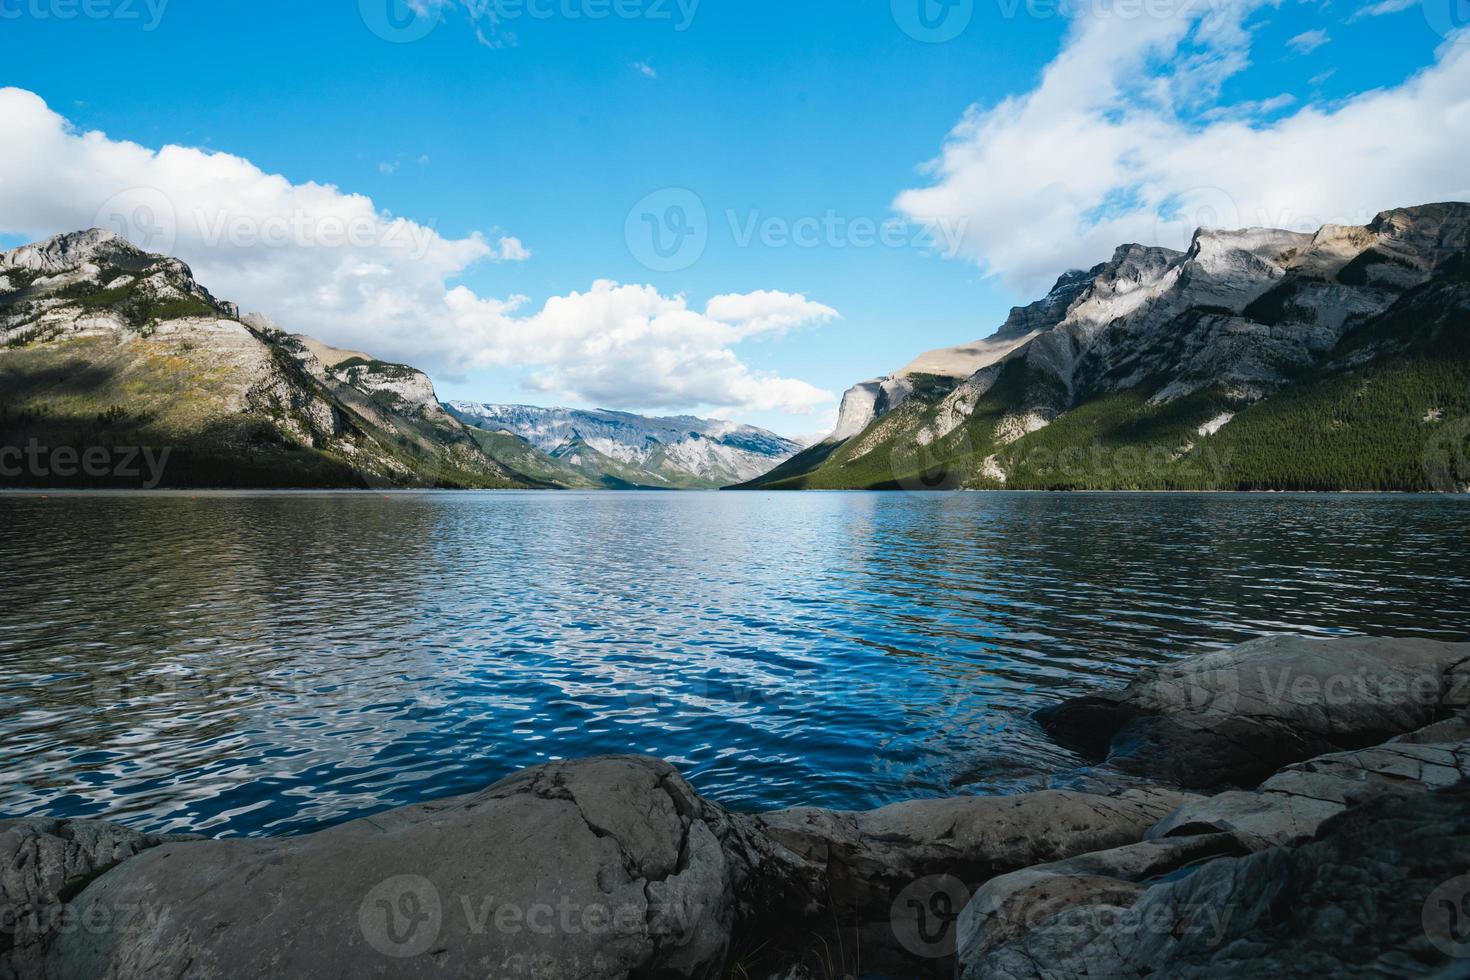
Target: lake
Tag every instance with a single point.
(246, 664)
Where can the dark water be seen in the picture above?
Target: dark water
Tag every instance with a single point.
(247, 664)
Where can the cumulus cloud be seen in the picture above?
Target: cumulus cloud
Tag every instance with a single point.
(628, 345)
(331, 264)
(1125, 139)
(767, 312)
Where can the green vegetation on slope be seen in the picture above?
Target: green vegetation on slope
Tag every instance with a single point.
(1389, 409)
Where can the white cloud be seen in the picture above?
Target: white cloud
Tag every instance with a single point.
(331, 264)
(1308, 41)
(645, 69)
(510, 249)
(1383, 8)
(767, 312)
(387, 169)
(1116, 144)
(629, 346)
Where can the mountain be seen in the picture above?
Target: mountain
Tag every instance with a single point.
(1257, 359)
(110, 351)
(576, 448)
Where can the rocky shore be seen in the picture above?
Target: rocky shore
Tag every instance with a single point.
(1292, 807)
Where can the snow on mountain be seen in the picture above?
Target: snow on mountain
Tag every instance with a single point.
(679, 451)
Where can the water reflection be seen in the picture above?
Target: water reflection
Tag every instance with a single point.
(263, 663)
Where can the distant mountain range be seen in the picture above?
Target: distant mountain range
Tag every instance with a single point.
(115, 356)
(581, 449)
(1257, 359)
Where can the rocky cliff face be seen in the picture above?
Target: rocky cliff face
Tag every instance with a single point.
(1161, 350)
(105, 345)
(635, 450)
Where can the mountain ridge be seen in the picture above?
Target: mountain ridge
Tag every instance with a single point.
(1163, 351)
(645, 452)
(104, 345)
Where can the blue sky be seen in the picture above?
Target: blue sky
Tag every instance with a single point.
(548, 129)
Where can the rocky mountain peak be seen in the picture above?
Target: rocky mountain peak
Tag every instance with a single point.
(68, 251)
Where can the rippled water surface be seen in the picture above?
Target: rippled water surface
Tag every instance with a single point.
(264, 663)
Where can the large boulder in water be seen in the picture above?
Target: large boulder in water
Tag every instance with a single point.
(1234, 717)
(610, 867)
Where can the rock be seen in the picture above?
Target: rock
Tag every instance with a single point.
(1375, 894)
(608, 867)
(604, 868)
(43, 863)
(1234, 717)
(1290, 806)
(1012, 904)
(893, 880)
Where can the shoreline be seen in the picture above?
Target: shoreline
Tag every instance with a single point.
(523, 491)
(1175, 752)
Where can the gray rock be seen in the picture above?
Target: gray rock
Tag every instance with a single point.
(607, 867)
(1234, 717)
(1290, 806)
(604, 868)
(43, 863)
(883, 888)
(1013, 904)
(1375, 894)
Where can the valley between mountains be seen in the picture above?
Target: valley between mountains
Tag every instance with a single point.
(1256, 360)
